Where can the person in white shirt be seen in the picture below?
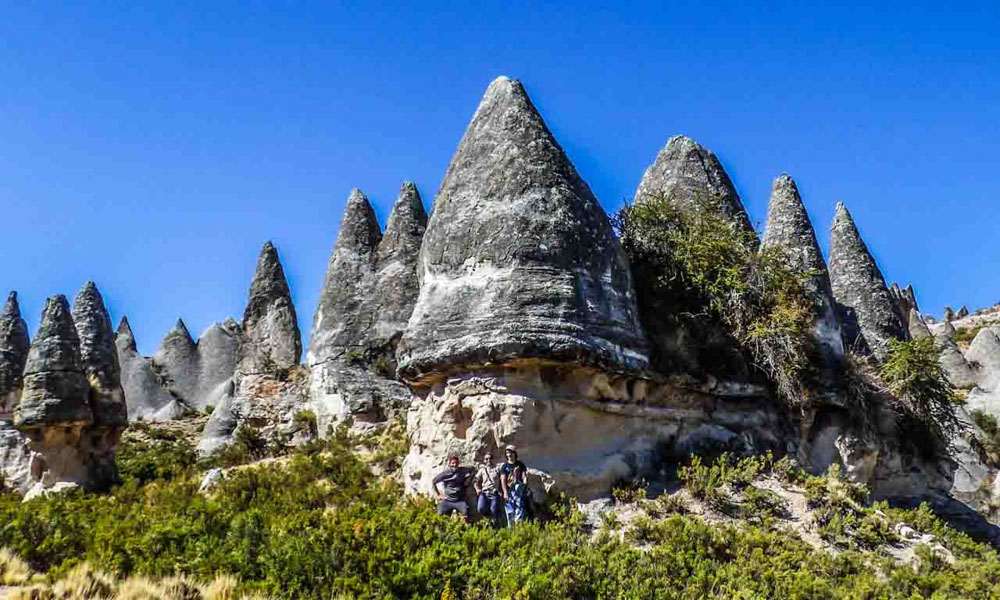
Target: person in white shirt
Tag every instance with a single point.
(487, 485)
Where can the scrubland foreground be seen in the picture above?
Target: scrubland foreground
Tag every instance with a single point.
(329, 520)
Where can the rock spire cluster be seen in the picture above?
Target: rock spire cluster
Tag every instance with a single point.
(519, 261)
(72, 407)
(370, 289)
(869, 313)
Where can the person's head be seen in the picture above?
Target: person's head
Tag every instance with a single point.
(510, 454)
(453, 461)
(488, 458)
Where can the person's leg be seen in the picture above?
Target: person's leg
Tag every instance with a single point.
(483, 505)
(496, 509)
(443, 508)
(462, 508)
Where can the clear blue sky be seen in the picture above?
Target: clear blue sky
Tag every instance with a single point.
(153, 147)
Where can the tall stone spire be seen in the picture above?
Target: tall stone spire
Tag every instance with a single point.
(55, 390)
(870, 315)
(687, 175)
(789, 228)
(342, 318)
(99, 357)
(271, 338)
(519, 259)
(14, 347)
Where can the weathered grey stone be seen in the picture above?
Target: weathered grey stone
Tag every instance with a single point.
(146, 395)
(397, 285)
(217, 351)
(962, 313)
(870, 316)
(15, 459)
(519, 259)
(343, 319)
(55, 389)
(99, 357)
(949, 314)
(789, 228)
(984, 356)
(271, 339)
(918, 329)
(177, 363)
(690, 176)
(370, 291)
(985, 350)
(14, 347)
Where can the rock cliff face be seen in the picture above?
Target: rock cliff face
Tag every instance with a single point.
(869, 313)
(14, 345)
(789, 228)
(370, 290)
(72, 424)
(145, 395)
(690, 176)
(268, 352)
(519, 261)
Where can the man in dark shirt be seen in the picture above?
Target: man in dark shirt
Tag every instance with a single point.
(454, 480)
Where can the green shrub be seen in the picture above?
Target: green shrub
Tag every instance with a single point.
(761, 506)
(924, 399)
(697, 272)
(629, 492)
(165, 457)
(305, 420)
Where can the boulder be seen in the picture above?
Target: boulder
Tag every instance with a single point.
(869, 314)
(916, 326)
(962, 313)
(519, 261)
(689, 175)
(14, 347)
(789, 228)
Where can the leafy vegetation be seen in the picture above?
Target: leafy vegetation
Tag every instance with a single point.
(923, 398)
(320, 524)
(701, 277)
(990, 440)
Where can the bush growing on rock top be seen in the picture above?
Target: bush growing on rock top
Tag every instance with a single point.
(697, 272)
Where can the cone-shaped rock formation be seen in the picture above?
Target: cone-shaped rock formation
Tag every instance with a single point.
(343, 319)
(789, 228)
(519, 261)
(869, 314)
(271, 339)
(55, 389)
(99, 357)
(13, 354)
(916, 326)
(690, 176)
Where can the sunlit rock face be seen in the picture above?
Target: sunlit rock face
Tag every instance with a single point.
(370, 289)
(580, 430)
(267, 359)
(869, 313)
(519, 260)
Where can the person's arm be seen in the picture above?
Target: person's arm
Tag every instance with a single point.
(437, 480)
(503, 483)
(477, 482)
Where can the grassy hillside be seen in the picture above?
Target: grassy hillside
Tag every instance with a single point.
(320, 524)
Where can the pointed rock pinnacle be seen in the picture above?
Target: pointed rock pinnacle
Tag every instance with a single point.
(519, 260)
(14, 347)
(99, 356)
(859, 287)
(271, 338)
(55, 389)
